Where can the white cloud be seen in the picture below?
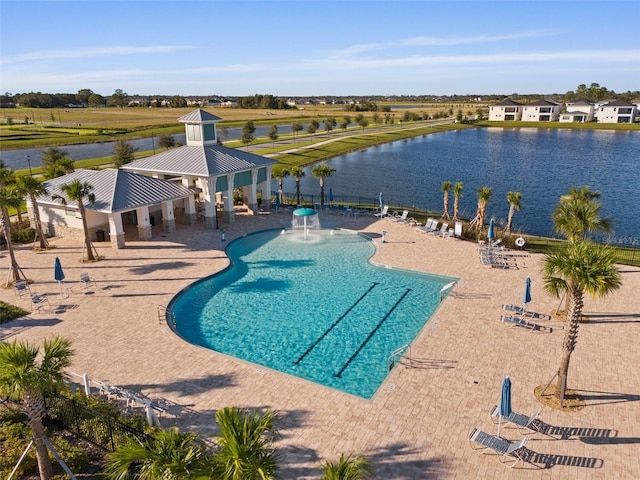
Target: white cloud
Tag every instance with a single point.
(93, 52)
(436, 41)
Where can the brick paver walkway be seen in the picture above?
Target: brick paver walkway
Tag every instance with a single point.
(417, 424)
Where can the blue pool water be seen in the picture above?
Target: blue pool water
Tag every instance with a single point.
(314, 308)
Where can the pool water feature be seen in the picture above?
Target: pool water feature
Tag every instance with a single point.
(315, 308)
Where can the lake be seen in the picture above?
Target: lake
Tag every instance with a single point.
(540, 163)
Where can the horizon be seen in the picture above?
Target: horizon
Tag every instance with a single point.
(316, 49)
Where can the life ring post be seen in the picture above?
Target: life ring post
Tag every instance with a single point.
(520, 242)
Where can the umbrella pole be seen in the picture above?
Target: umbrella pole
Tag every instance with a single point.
(62, 294)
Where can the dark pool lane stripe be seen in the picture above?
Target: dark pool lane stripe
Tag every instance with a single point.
(334, 324)
(362, 345)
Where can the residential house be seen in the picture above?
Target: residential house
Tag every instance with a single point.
(617, 111)
(541, 111)
(506, 110)
(579, 111)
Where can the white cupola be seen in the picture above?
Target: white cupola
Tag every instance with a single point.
(200, 128)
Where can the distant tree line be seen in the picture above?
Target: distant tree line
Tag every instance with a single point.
(267, 102)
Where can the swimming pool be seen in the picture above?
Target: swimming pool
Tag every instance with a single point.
(314, 308)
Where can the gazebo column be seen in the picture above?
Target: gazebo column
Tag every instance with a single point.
(189, 204)
(168, 218)
(228, 200)
(116, 232)
(252, 194)
(266, 190)
(144, 225)
(209, 202)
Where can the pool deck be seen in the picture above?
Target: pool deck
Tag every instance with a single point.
(417, 425)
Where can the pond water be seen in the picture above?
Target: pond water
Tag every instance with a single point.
(540, 163)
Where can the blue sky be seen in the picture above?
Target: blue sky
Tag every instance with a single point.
(295, 48)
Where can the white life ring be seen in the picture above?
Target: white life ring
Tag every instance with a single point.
(520, 242)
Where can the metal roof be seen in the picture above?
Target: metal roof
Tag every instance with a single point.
(198, 116)
(200, 161)
(116, 190)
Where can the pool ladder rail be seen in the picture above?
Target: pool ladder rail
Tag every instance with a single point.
(166, 316)
(397, 355)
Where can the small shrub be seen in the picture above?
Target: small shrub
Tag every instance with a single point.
(25, 235)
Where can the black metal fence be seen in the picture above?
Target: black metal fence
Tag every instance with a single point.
(96, 427)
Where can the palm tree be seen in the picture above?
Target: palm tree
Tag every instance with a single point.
(24, 380)
(348, 468)
(457, 193)
(578, 214)
(514, 204)
(446, 186)
(59, 168)
(297, 173)
(577, 268)
(484, 195)
(322, 171)
(280, 172)
(245, 445)
(34, 187)
(77, 191)
(10, 197)
(170, 455)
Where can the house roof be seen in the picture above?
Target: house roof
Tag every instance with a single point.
(542, 103)
(619, 103)
(199, 116)
(116, 190)
(200, 161)
(507, 103)
(580, 101)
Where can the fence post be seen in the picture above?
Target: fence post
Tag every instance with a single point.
(75, 417)
(87, 386)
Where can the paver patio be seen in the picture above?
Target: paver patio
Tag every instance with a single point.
(417, 424)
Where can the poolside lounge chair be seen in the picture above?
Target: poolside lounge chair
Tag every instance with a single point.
(86, 281)
(524, 313)
(521, 322)
(525, 424)
(443, 230)
(400, 218)
(509, 453)
(39, 301)
(430, 226)
(383, 213)
(21, 288)
(457, 229)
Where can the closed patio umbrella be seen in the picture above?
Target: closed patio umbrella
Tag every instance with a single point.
(58, 275)
(505, 401)
(277, 201)
(330, 196)
(527, 294)
(490, 234)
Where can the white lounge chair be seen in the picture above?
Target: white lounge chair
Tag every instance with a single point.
(509, 453)
(39, 301)
(525, 424)
(442, 231)
(523, 312)
(457, 229)
(401, 218)
(383, 213)
(21, 288)
(86, 281)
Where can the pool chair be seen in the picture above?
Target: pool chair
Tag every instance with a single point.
(21, 288)
(509, 452)
(525, 424)
(86, 281)
(39, 301)
(443, 230)
(401, 218)
(383, 213)
(521, 322)
(427, 225)
(457, 229)
(523, 312)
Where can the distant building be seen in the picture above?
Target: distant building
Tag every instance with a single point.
(504, 111)
(617, 111)
(579, 111)
(541, 111)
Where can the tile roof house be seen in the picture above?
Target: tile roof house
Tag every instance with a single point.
(617, 111)
(580, 111)
(506, 110)
(541, 111)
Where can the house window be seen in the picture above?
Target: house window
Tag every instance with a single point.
(70, 213)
